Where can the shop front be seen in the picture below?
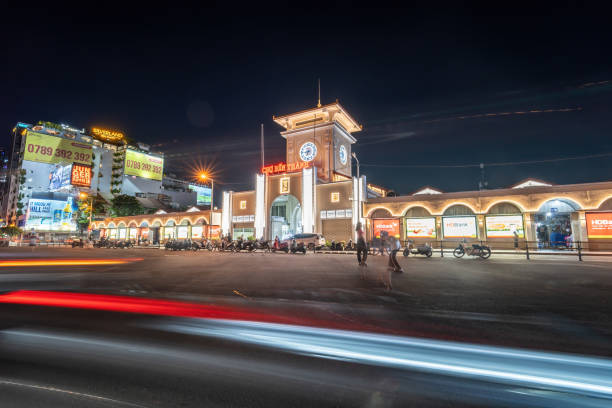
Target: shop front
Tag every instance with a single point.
(555, 222)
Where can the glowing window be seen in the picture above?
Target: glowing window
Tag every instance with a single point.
(243, 204)
(335, 197)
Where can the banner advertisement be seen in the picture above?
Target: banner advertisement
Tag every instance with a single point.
(459, 227)
(503, 226)
(60, 178)
(182, 232)
(144, 233)
(420, 227)
(599, 225)
(50, 215)
(391, 226)
(143, 165)
(196, 232)
(112, 233)
(215, 231)
(122, 233)
(203, 194)
(80, 175)
(51, 149)
(133, 233)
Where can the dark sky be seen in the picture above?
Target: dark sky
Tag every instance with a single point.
(430, 89)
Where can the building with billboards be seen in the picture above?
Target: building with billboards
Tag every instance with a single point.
(49, 164)
(534, 210)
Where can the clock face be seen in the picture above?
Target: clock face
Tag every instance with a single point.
(308, 151)
(342, 154)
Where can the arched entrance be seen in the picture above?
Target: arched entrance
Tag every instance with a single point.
(285, 217)
(553, 222)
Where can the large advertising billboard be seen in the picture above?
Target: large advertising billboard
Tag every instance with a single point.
(390, 226)
(203, 194)
(80, 175)
(143, 165)
(459, 227)
(59, 178)
(503, 226)
(50, 215)
(599, 225)
(420, 227)
(51, 149)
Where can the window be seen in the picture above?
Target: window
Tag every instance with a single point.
(243, 204)
(335, 197)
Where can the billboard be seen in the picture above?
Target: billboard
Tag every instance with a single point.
(503, 226)
(51, 149)
(459, 227)
(391, 226)
(204, 194)
(420, 227)
(143, 165)
(599, 225)
(80, 175)
(50, 215)
(59, 178)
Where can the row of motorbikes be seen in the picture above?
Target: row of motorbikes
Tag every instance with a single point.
(235, 246)
(462, 249)
(112, 243)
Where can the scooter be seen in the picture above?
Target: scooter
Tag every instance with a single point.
(482, 251)
(295, 248)
(424, 249)
(282, 247)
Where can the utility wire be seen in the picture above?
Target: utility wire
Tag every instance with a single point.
(498, 164)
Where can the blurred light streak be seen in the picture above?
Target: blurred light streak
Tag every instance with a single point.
(489, 115)
(561, 372)
(67, 262)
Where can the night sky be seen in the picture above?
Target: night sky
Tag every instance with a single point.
(429, 89)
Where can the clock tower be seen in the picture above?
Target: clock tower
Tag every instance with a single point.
(323, 137)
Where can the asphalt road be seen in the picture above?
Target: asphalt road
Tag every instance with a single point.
(63, 357)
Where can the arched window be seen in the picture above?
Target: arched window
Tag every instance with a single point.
(458, 209)
(381, 213)
(504, 209)
(417, 212)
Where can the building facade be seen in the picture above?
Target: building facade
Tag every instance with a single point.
(537, 211)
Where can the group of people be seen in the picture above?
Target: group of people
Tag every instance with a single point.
(362, 256)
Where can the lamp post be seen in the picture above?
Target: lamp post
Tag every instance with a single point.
(204, 177)
(358, 185)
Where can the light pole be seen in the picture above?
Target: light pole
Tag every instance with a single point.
(204, 177)
(358, 185)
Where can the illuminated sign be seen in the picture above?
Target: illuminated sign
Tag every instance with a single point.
(420, 227)
(599, 225)
(50, 149)
(203, 194)
(377, 190)
(50, 215)
(459, 227)
(80, 175)
(503, 226)
(196, 232)
(284, 167)
(335, 197)
(387, 227)
(107, 135)
(284, 185)
(243, 204)
(60, 178)
(143, 165)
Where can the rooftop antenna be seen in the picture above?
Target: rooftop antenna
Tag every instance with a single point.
(319, 100)
(262, 146)
(482, 184)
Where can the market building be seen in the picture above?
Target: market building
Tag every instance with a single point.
(161, 226)
(313, 190)
(536, 210)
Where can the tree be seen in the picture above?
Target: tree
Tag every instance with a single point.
(125, 205)
(11, 230)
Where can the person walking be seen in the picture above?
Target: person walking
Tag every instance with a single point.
(393, 263)
(362, 249)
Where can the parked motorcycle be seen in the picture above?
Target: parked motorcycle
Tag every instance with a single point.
(282, 247)
(295, 248)
(423, 249)
(77, 243)
(482, 251)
